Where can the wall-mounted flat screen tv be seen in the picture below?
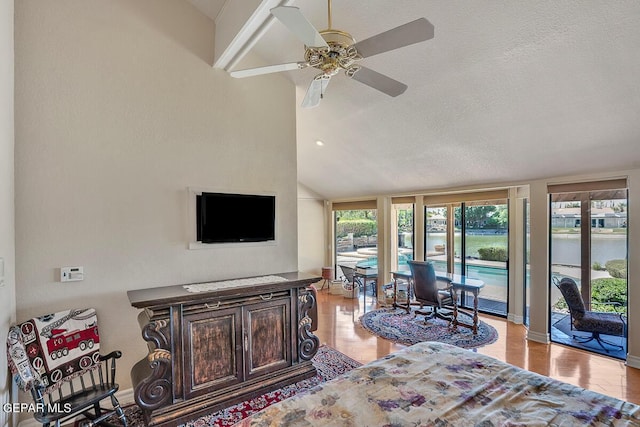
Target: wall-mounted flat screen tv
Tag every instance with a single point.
(230, 218)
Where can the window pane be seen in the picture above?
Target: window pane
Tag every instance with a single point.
(608, 253)
(404, 228)
(486, 251)
(356, 234)
(436, 237)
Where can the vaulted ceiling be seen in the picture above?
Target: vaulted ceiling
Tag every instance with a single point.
(504, 92)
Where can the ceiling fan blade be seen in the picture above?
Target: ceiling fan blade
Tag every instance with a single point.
(379, 81)
(404, 35)
(295, 21)
(315, 92)
(249, 72)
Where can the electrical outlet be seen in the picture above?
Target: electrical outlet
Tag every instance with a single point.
(71, 274)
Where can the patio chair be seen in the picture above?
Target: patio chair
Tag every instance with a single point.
(427, 292)
(56, 358)
(351, 278)
(593, 322)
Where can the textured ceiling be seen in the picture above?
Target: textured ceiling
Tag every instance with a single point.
(506, 91)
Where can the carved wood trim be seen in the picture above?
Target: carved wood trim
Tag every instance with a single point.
(156, 390)
(158, 333)
(308, 343)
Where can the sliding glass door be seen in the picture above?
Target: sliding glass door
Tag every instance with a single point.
(485, 243)
(589, 246)
(471, 238)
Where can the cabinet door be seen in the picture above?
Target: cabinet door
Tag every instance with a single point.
(267, 335)
(212, 350)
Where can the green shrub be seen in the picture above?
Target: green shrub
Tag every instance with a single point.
(493, 254)
(597, 266)
(603, 291)
(609, 290)
(607, 308)
(617, 268)
(359, 227)
(561, 306)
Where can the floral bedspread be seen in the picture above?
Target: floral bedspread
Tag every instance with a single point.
(436, 384)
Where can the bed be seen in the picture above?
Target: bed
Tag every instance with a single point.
(436, 384)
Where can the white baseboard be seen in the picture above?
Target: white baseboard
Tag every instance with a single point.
(538, 337)
(29, 422)
(125, 397)
(633, 361)
(515, 318)
(5, 416)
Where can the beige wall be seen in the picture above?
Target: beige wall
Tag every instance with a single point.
(118, 112)
(310, 231)
(7, 242)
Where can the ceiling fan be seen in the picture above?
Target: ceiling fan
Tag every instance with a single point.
(331, 51)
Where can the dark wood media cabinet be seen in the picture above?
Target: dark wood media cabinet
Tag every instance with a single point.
(211, 349)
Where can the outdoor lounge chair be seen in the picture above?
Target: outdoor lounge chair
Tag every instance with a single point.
(351, 278)
(590, 321)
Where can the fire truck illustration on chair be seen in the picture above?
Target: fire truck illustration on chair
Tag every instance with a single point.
(63, 341)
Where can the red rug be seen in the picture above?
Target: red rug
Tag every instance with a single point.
(329, 363)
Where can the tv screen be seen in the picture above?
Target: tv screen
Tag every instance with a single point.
(228, 218)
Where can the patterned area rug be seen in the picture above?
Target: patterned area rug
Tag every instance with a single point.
(329, 363)
(396, 325)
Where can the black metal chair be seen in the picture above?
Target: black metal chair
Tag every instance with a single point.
(593, 322)
(427, 292)
(56, 358)
(352, 279)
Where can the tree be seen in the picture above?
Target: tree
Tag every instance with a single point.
(490, 216)
(357, 214)
(405, 220)
(620, 207)
(499, 218)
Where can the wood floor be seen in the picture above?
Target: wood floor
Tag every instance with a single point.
(338, 327)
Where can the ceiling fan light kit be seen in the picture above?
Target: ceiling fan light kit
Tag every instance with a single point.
(339, 54)
(331, 51)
